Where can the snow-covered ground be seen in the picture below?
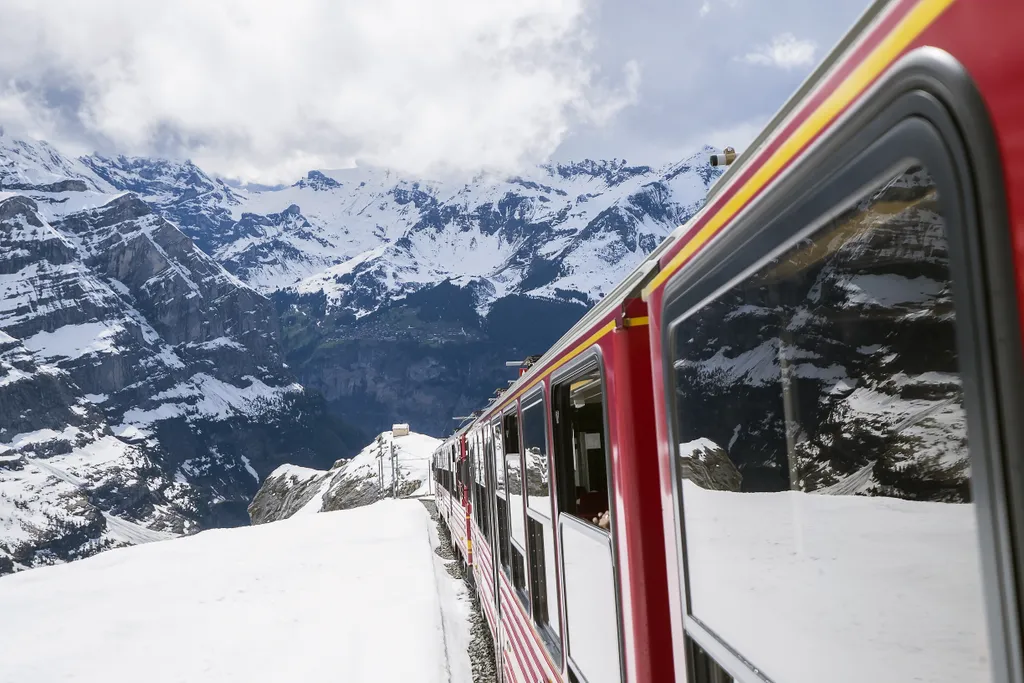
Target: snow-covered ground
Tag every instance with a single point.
(357, 595)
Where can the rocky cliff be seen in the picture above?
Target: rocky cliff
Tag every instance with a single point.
(142, 387)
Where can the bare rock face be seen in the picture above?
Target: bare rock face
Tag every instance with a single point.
(706, 464)
(286, 491)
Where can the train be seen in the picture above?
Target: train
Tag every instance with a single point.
(787, 447)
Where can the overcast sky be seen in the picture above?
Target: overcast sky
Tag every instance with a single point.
(265, 90)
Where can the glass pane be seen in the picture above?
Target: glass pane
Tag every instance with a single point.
(591, 620)
(551, 617)
(519, 575)
(502, 507)
(478, 450)
(515, 499)
(823, 455)
(499, 459)
(535, 459)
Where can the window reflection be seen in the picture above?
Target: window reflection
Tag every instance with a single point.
(590, 602)
(535, 459)
(823, 458)
(543, 569)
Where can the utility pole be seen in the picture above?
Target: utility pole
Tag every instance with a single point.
(380, 465)
(392, 469)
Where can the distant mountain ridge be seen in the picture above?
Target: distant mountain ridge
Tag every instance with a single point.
(399, 296)
(366, 237)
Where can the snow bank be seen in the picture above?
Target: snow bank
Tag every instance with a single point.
(349, 596)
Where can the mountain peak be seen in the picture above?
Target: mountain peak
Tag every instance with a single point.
(316, 180)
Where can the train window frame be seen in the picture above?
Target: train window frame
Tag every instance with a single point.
(552, 639)
(485, 452)
(586, 361)
(504, 538)
(518, 556)
(916, 114)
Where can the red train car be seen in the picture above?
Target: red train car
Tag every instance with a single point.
(787, 447)
(451, 494)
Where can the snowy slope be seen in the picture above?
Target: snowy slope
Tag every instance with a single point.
(292, 490)
(269, 603)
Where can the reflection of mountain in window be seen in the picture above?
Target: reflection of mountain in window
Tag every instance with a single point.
(835, 364)
(823, 458)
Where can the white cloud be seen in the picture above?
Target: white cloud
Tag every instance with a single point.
(784, 52)
(265, 90)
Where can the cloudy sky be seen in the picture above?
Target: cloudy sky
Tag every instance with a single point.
(264, 90)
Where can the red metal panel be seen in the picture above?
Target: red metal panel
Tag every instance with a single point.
(984, 36)
(674, 584)
(648, 652)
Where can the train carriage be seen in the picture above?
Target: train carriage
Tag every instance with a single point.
(786, 448)
(451, 494)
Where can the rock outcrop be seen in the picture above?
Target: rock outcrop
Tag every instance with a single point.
(351, 483)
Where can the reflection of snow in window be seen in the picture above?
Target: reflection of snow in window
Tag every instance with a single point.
(823, 458)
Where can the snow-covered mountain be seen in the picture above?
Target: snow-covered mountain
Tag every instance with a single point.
(367, 237)
(142, 387)
(402, 298)
(167, 338)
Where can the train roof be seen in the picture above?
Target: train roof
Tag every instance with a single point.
(634, 283)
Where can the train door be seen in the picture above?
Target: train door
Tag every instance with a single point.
(842, 384)
(586, 524)
(502, 549)
(542, 561)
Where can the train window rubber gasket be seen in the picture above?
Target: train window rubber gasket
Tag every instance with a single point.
(928, 111)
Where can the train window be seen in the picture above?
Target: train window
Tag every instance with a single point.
(540, 530)
(703, 667)
(502, 498)
(479, 500)
(516, 499)
(510, 424)
(516, 504)
(584, 525)
(487, 459)
(823, 466)
(580, 450)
